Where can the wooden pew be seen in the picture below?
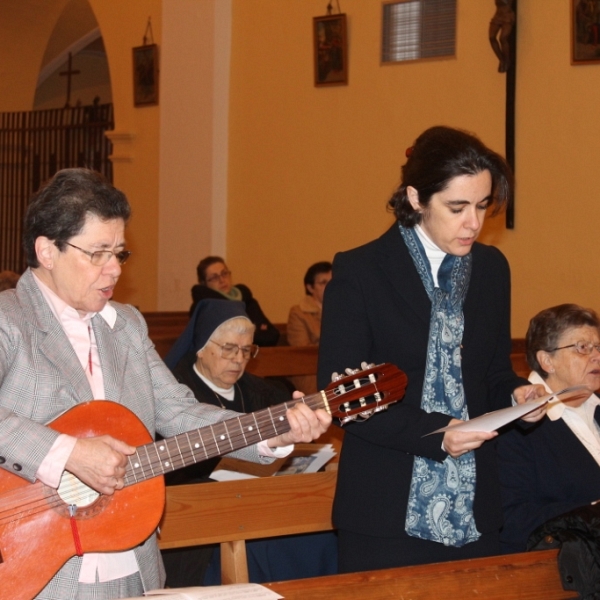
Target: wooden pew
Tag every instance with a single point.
(285, 361)
(279, 361)
(528, 576)
(165, 327)
(231, 512)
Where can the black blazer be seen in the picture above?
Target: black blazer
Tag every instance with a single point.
(545, 471)
(376, 309)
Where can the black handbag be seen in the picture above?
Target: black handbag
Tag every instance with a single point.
(577, 534)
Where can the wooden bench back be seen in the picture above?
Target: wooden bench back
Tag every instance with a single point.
(285, 361)
(531, 576)
(279, 361)
(231, 512)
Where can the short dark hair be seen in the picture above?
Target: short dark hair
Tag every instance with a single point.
(204, 264)
(546, 328)
(60, 208)
(313, 271)
(439, 155)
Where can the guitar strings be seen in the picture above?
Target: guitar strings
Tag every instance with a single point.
(36, 497)
(239, 437)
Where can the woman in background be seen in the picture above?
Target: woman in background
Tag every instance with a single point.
(304, 320)
(214, 281)
(554, 467)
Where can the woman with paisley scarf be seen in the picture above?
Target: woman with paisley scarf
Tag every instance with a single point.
(430, 299)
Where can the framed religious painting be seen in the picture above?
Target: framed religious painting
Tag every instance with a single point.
(330, 50)
(145, 75)
(585, 32)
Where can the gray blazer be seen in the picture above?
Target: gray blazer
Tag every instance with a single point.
(41, 377)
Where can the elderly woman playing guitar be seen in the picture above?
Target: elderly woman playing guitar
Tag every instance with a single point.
(63, 342)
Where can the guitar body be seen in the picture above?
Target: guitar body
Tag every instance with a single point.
(36, 536)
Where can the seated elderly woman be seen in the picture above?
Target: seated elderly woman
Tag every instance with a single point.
(554, 466)
(210, 358)
(304, 320)
(214, 281)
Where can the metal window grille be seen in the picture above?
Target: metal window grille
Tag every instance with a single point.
(414, 29)
(33, 146)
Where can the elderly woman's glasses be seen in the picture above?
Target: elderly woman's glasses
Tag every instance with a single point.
(218, 276)
(100, 257)
(580, 347)
(230, 351)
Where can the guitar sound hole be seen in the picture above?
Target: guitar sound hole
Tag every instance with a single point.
(72, 491)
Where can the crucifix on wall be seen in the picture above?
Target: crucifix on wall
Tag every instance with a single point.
(68, 73)
(503, 39)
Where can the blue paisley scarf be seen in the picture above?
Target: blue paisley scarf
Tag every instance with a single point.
(440, 502)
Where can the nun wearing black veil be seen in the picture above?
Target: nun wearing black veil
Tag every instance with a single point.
(210, 357)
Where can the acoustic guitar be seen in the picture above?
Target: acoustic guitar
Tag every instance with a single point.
(41, 528)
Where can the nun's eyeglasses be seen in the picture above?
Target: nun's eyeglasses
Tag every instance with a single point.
(230, 351)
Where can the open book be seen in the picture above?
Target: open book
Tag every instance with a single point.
(306, 458)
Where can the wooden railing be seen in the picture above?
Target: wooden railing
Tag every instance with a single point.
(528, 576)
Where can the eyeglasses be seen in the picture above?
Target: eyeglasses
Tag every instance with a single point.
(580, 347)
(100, 257)
(230, 351)
(218, 276)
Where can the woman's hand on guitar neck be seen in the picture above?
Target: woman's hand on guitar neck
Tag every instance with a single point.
(100, 462)
(306, 425)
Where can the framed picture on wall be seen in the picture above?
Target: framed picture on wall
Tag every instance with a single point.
(585, 32)
(145, 75)
(330, 50)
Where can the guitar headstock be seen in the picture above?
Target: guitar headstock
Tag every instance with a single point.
(365, 392)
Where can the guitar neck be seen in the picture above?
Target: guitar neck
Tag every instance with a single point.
(221, 438)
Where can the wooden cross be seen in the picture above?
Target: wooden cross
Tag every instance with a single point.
(68, 73)
(503, 38)
(509, 136)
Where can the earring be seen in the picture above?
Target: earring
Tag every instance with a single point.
(551, 371)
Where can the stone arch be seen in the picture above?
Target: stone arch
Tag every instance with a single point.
(76, 32)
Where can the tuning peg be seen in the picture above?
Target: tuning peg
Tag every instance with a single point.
(336, 376)
(347, 419)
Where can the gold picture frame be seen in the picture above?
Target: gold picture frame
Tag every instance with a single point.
(145, 75)
(585, 33)
(330, 50)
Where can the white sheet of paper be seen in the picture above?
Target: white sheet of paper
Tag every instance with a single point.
(494, 420)
(307, 464)
(226, 475)
(236, 591)
(294, 466)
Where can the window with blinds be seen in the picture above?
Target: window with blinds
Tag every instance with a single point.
(414, 29)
